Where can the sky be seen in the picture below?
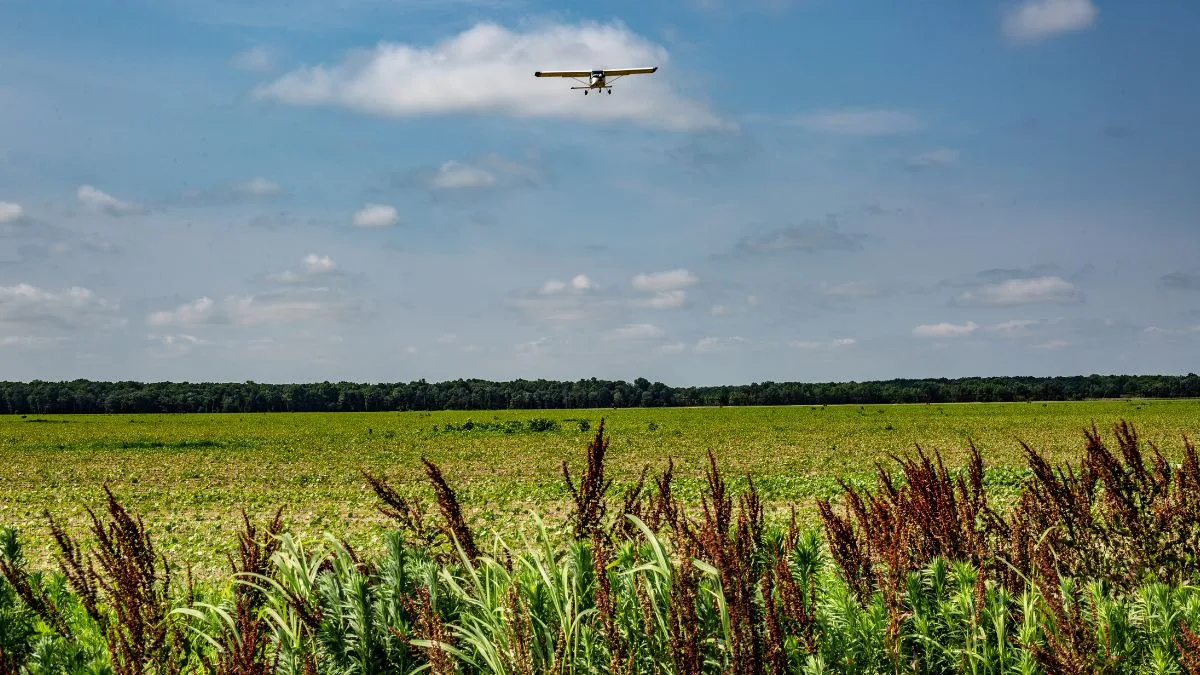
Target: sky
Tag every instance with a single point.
(805, 190)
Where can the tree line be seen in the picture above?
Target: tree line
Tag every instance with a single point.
(88, 396)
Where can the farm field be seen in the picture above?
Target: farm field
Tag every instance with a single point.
(188, 475)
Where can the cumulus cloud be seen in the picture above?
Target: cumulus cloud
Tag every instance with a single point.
(200, 311)
(1037, 290)
(1015, 328)
(454, 175)
(664, 300)
(316, 304)
(860, 122)
(376, 215)
(809, 237)
(945, 330)
(258, 187)
(70, 308)
(562, 303)
(259, 59)
(10, 212)
(579, 283)
(312, 265)
(489, 171)
(180, 343)
(667, 287)
(673, 347)
(489, 69)
(581, 299)
(664, 281)
(97, 200)
(1035, 20)
(712, 345)
(553, 286)
(318, 264)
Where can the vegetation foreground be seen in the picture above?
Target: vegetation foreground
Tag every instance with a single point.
(1092, 569)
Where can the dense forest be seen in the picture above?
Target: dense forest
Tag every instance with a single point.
(85, 396)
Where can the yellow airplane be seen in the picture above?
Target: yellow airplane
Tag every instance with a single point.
(598, 79)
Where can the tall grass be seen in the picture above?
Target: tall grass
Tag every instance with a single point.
(1093, 570)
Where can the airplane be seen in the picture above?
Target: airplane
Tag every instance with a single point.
(598, 79)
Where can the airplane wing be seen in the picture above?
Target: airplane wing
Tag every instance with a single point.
(562, 73)
(630, 71)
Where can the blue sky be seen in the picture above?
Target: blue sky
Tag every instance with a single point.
(380, 190)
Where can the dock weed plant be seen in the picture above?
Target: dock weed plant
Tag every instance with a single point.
(1091, 569)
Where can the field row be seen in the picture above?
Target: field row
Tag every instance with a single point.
(189, 475)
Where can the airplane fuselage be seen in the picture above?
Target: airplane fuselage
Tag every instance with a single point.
(597, 80)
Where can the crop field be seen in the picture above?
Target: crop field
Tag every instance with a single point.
(188, 476)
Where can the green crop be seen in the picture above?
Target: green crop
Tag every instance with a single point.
(189, 475)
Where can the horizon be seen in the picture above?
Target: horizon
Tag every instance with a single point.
(632, 381)
(804, 192)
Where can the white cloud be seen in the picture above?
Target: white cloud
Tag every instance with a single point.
(860, 122)
(752, 300)
(667, 288)
(455, 175)
(260, 59)
(831, 344)
(74, 307)
(664, 281)
(10, 212)
(313, 265)
(1053, 344)
(376, 215)
(720, 310)
(1161, 332)
(181, 343)
(1015, 328)
(637, 331)
(945, 330)
(1034, 20)
(318, 264)
(556, 306)
(553, 286)
(710, 345)
(315, 304)
(673, 348)
(579, 283)
(663, 300)
(199, 311)
(259, 187)
(97, 200)
(29, 341)
(1023, 292)
(489, 68)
